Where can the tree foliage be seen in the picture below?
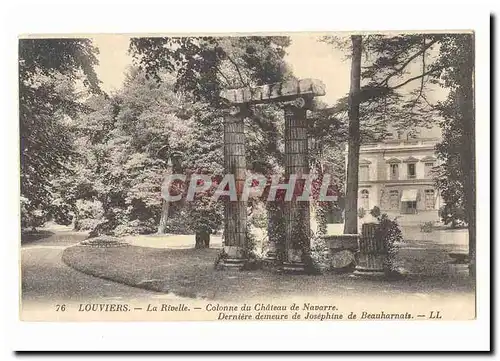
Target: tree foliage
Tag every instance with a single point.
(203, 66)
(49, 72)
(456, 174)
(125, 143)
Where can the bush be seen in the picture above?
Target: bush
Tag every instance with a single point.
(259, 217)
(361, 213)
(375, 212)
(30, 216)
(104, 242)
(320, 253)
(135, 227)
(89, 215)
(389, 230)
(87, 224)
(60, 212)
(427, 227)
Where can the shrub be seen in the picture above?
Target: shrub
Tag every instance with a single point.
(427, 227)
(250, 244)
(86, 224)
(361, 212)
(30, 216)
(104, 242)
(320, 253)
(389, 230)
(375, 212)
(135, 227)
(258, 218)
(89, 215)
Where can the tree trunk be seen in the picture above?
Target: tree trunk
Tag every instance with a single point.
(202, 239)
(76, 224)
(351, 204)
(162, 226)
(465, 93)
(322, 208)
(174, 167)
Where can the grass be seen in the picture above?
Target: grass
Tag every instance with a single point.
(30, 236)
(190, 273)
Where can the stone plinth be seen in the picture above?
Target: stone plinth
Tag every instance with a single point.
(342, 250)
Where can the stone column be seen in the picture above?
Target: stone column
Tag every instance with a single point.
(297, 216)
(235, 212)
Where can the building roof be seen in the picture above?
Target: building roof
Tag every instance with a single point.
(411, 160)
(428, 159)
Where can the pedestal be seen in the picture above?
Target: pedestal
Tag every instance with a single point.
(373, 254)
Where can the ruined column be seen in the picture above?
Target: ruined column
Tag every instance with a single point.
(235, 211)
(297, 225)
(297, 96)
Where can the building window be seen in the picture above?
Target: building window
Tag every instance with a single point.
(410, 207)
(412, 171)
(365, 200)
(428, 169)
(364, 174)
(394, 199)
(429, 199)
(394, 171)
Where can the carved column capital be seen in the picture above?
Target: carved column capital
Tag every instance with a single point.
(297, 103)
(235, 110)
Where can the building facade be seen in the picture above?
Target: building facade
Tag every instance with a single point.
(397, 175)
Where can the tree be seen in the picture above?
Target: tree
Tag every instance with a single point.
(327, 136)
(205, 65)
(445, 60)
(450, 65)
(49, 69)
(351, 225)
(124, 146)
(449, 174)
(381, 95)
(458, 146)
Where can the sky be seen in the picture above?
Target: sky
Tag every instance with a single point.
(308, 58)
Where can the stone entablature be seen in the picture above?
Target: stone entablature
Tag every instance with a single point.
(277, 91)
(291, 251)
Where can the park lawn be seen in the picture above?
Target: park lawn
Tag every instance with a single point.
(191, 273)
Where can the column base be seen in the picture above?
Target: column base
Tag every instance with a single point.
(270, 261)
(370, 265)
(232, 263)
(294, 264)
(234, 258)
(369, 272)
(271, 257)
(294, 267)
